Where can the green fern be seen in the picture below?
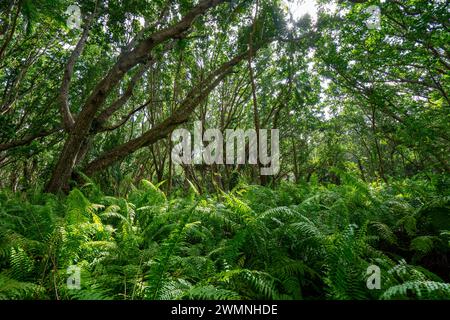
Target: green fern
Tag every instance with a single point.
(11, 289)
(157, 275)
(418, 290)
(210, 292)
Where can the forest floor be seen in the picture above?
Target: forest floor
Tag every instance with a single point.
(299, 241)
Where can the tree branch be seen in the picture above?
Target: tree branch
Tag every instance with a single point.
(27, 139)
(181, 115)
(63, 98)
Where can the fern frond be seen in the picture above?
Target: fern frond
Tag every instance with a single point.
(209, 292)
(418, 290)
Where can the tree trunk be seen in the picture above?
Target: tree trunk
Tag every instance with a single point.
(162, 130)
(126, 61)
(256, 120)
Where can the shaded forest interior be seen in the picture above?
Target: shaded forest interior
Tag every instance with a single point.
(92, 90)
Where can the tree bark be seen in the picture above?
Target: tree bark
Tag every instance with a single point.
(256, 120)
(126, 61)
(160, 131)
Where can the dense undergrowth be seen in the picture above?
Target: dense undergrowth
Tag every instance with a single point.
(306, 241)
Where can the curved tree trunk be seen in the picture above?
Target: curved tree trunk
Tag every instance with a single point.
(81, 127)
